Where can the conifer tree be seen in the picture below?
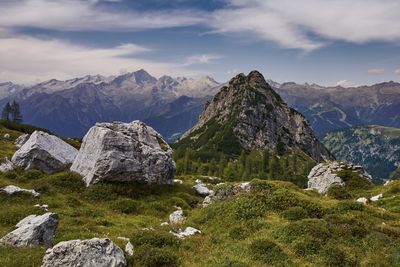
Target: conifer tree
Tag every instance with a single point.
(16, 112)
(5, 114)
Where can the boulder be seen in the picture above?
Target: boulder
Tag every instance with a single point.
(85, 253)
(6, 165)
(21, 140)
(177, 216)
(33, 230)
(12, 189)
(324, 175)
(363, 200)
(6, 136)
(124, 152)
(44, 152)
(189, 231)
(201, 189)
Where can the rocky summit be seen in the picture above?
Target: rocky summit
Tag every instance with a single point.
(248, 114)
(124, 152)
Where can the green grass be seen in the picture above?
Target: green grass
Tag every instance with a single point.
(276, 224)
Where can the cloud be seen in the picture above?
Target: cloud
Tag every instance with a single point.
(81, 15)
(344, 83)
(25, 60)
(376, 71)
(202, 59)
(310, 24)
(397, 72)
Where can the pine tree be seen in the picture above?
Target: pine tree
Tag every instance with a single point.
(16, 112)
(5, 114)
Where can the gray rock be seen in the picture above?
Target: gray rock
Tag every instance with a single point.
(6, 165)
(324, 175)
(44, 152)
(12, 189)
(201, 189)
(6, 136)
(376, 198)
(85, 253)
(33, 230)
(177, 216)
(21, 140)
(189, 231)
(362, 200)
(124, 152)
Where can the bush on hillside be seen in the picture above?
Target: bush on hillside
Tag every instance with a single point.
(295, 213)
(154, 238)
(268, 252)
(353, 180)
(155, 257)
(338, 192)
(125, 205)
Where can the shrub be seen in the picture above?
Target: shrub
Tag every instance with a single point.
(249, 208)
(67, 182)
(100, 192)
(314, 228)
(32, 174)
(295, 213)
(342, 226)
(353, 180)
(347, 205)
(155, 257)
(267, 251)
(334, 255)
(125, 205)
(155, 239)
(338, 192)
(238, 233)
(306, 246)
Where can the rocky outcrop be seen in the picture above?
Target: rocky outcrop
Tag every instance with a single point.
(33, 230)
(21, 140)
(324, 175)
(248, 114)
(124, 152)
(224, 191)
(12, 189)
(201, 189)
(44, 152)
(92, 252)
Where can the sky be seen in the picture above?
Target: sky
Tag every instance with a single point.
(328, 42)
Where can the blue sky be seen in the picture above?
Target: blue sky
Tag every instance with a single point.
(325, 42)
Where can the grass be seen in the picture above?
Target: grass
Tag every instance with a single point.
(275, 224)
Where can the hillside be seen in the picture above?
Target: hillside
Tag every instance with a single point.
(377, 148)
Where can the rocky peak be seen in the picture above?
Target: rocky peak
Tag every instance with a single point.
(251, 115)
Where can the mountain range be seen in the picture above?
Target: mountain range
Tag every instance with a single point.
(173, 105)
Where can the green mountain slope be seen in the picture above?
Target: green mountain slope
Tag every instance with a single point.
(377, 148)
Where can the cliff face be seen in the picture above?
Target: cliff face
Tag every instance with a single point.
(250, 114)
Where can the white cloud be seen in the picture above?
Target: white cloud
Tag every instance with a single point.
(377, 71)
(344, 83)
(81, 15)
(202, 59)
(26, 59)
(397, 72)
(303, 23)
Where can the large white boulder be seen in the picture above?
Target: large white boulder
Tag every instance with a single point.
(124, 152)
(324, 175)
(33, 230)
(177, 216)
(44, 152)
(99, 252)
(189, 231)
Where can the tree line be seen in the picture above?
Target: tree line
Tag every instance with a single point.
(12, 112)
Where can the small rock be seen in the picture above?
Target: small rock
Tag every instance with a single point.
(387, 182)
(33, 230)
(12, 189)
(129, 248)
(207, 201)
(177, 216)
(164, 224)
(362, 200)
(201, 189)
(177, 181)
(376, 198)
(99, 252)
(189, 231)
(6, 136)
(45, 207)
(6, 166)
